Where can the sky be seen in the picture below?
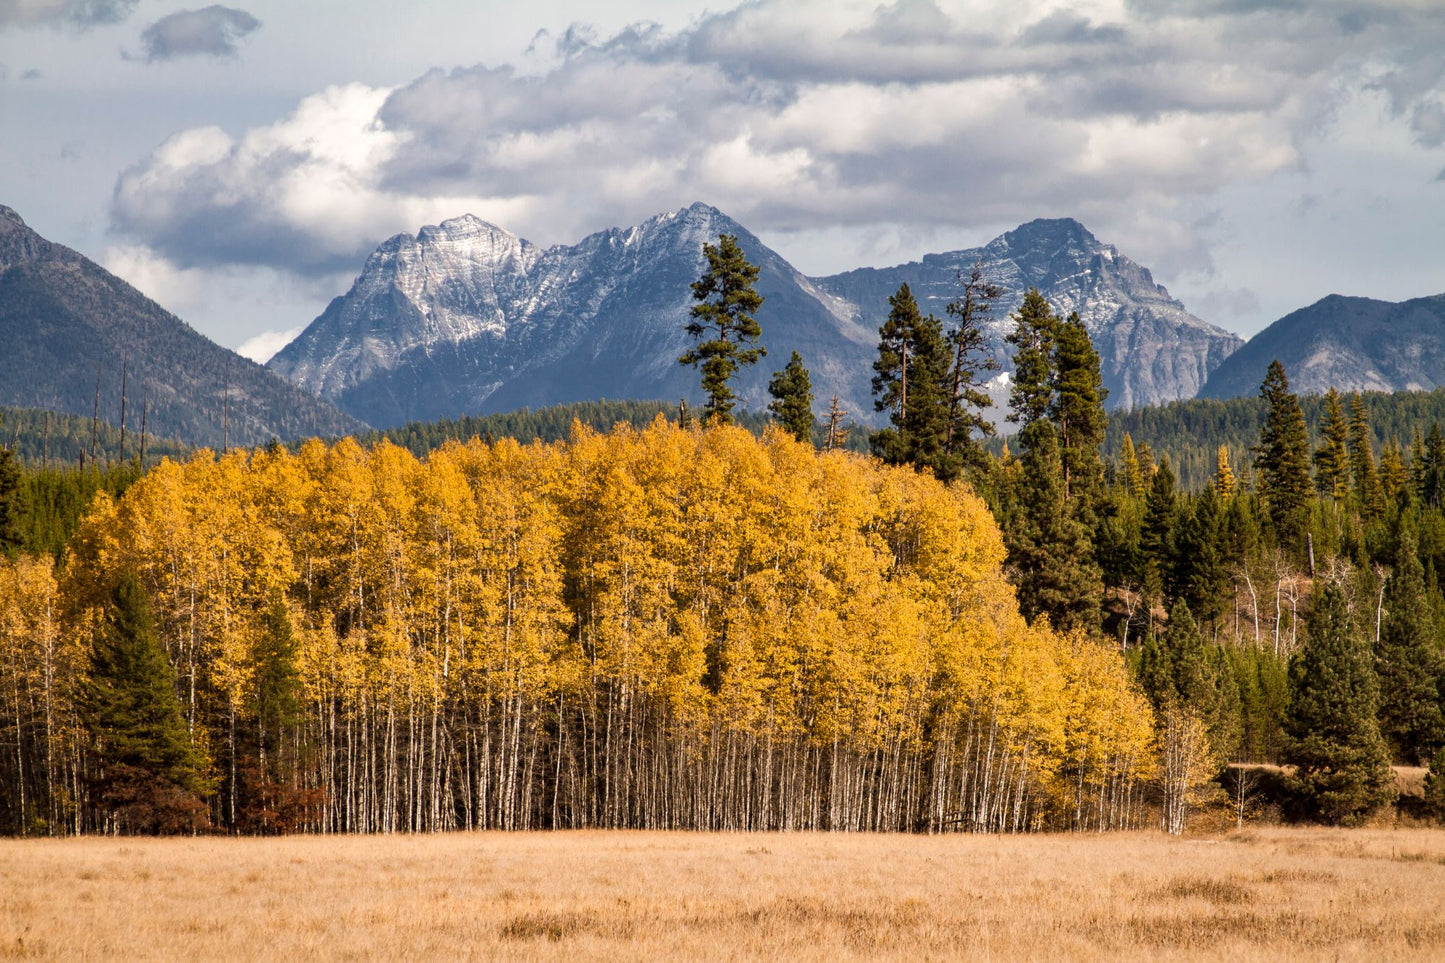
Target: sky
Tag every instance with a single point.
(238, 163)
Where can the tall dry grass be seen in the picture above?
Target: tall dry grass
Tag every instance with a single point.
(1258, 894)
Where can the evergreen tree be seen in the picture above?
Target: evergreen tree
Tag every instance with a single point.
(1282, 458)
(1156, 535)
(1199, 573)
(1133, 475)
(1332, 459)
(1078, 411)
(1049, 550)
(11, 498)
(150, 775)
(1224, 481)
(1431, 473)
(911, 382)
(1342, 767)
(1036, 329)
(792, 404)
(1408, 661)
(1365, 479)
(723, 323)
(967, 401)
(1394, 478)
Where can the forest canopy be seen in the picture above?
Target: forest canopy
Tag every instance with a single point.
(660, 628)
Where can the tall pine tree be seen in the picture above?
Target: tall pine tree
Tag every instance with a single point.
(1332, 459)
(1342, 766)
(1408, 661)
(967, 400)
(910, 382)
(792, 404)
(149, 774)
(1282, 458)
(723, 323)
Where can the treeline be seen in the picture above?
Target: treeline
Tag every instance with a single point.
(668, 628)
(50, 439)
(554, 423)
(1190, 433)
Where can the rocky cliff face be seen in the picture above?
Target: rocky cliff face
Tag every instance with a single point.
(1353, 344)
(1151, 349)
(467, 318)
(64, 319)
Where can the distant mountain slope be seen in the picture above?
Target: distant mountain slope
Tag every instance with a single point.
(63, 318)
(1151, 349)
(466, 318)
(1353, 344)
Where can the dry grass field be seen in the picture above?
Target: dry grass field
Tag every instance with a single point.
(1257, 894)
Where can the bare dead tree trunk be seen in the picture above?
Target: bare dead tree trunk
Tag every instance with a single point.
(122, 407)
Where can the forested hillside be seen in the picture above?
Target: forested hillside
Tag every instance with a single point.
(1190, 433)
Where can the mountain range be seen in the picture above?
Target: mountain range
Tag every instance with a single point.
(73, 331)
(465, 317)
(1352, 344)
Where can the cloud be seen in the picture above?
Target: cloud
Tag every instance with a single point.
(802, 115)
(262, 347)
(74, 13)
(212, 31)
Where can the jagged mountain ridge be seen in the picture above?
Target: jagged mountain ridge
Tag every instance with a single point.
(1151, 349)
(1349, 343)
(466, 318)
(63, 319)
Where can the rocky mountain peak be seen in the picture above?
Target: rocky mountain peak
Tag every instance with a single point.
(7, 214)
(466, 317)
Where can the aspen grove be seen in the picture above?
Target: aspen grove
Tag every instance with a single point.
(665, 628)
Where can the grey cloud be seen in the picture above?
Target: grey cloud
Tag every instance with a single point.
(1067, 27)
(1229, 302)
(213, 31)
(786, 119)
(73, 13)
(1428, 123)
(32, 74)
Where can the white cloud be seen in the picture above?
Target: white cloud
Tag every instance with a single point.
(262, 347)
(78, 13)
(809, 115)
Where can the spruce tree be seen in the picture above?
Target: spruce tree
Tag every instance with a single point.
(1051, 547)
(1363, 476)
(1408, 661)
(149, 773)
(1225, 482)
(723, 323)
(1332, 459)
(1078, 411)
(1156, 535)
(1199, 573)
(967, 401)
(10, 503)
(910, 381)
(1342, 766)
(1431, 483)
(1049, 550)
(792, 404)
(1036, 328)
(1282, 458)
(1133, 475)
